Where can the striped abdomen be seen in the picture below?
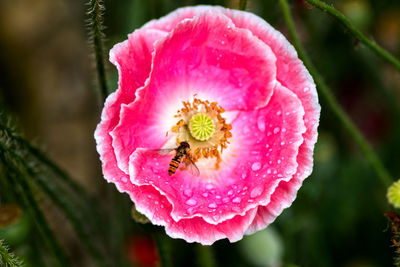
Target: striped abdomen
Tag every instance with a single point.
(174, 164)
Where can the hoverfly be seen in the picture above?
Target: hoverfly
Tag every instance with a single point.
(182, 155)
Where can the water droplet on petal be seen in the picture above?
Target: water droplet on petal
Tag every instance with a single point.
(306, 89)
(205, 194)
(230, 192)
(256, 166)
(261, 123)
(187, 192)
(209, 186)
(191, 202)
(216, 217)
(124, 180)
(212, 206)
(282, 143)
(278, 113)
(236, 200)
(225, 199)
(276, 130)
(256, 192)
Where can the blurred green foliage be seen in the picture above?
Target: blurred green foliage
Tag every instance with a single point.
(337, 218)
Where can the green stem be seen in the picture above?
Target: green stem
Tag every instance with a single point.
(361, 37)
(58, 196)
(163, 249)
(20, 180)
(205, 256)
(48, 162)
(95, 9)
(242, 4)
(325, 92)
(8, 259)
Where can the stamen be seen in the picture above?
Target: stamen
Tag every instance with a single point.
(202, 126)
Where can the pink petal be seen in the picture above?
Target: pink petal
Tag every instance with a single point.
(292, 74)
(129, 57)
(156, 207)
(265, 142)
(218, 62)
(290, 70)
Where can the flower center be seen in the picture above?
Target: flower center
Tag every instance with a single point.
(202, 126)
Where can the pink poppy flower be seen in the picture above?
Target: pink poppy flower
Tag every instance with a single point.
(232, 87)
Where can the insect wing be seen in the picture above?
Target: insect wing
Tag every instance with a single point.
(164, 151)
(190, 166)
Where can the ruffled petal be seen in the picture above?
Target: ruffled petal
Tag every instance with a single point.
(218, 63)
(218, 59)
(129, 57)
(291, 72)
(263, 152)
(133, 58)
(157, 208)
(293, 75)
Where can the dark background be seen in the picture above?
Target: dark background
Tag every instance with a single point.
(48, 81)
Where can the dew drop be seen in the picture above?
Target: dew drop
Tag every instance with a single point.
(261, 123)
(230, 192)
(278, 113)
(244, 175)
(236, 200)
(212, 206)
(191, 202)
(306, 89)
(279, 161)
(269, 171)
(124, 180)
(276, 130)
(225, 199)
(205, 194)
(216, 217)
(209, 186)
(187, 192)
(282, 143)
(256, 166)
